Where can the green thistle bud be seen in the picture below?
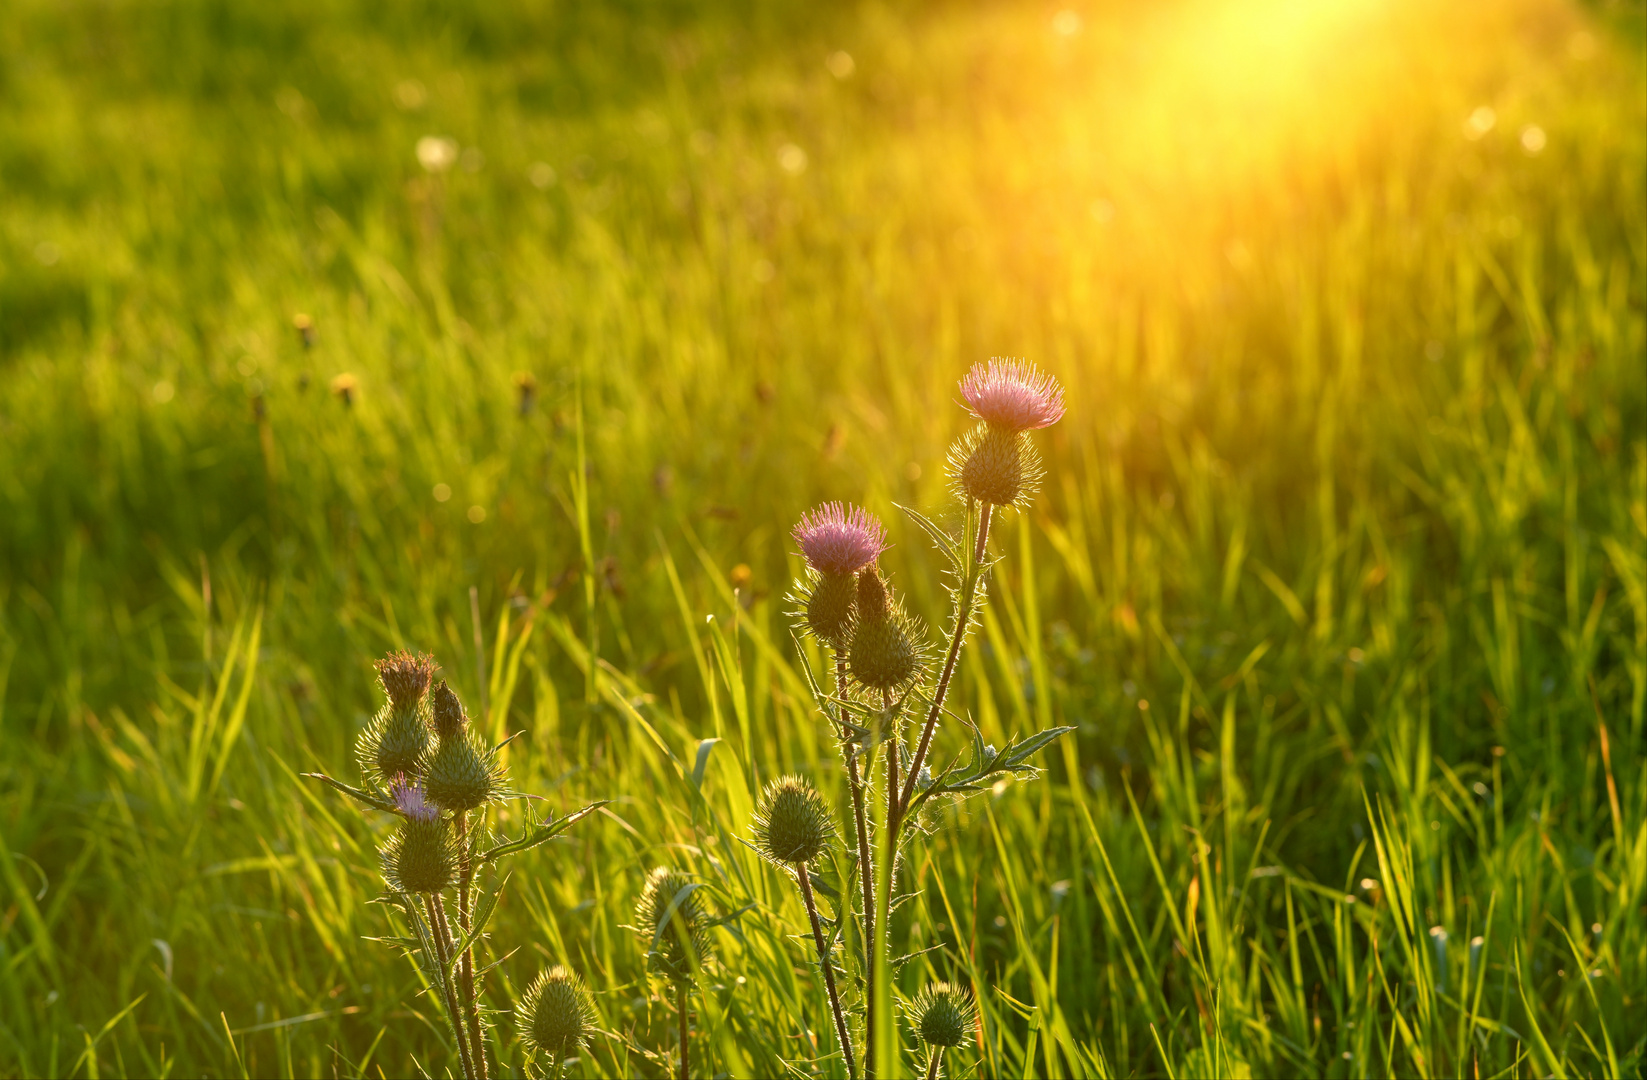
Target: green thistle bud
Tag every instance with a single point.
(555, 1015)
(884, 654)
(995, 465)
(421, 857)
(792, 825)
(941, 1015)
(447, 711)
(462, 774)
(829, 608)
(677, 940)
(393, 743)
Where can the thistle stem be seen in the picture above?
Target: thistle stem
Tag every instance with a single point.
(963, 619)
(470, 1002)
(680, 1006)
(828, 971)
(866, 869)
(934, 1062)
(443, 955)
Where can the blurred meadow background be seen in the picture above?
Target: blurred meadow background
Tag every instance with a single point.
(1340, 565)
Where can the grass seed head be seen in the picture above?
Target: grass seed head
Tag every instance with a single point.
(792, 825)
(556, 1014)
(671, 925)
(941, 1014)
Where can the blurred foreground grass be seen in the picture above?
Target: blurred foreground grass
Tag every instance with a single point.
(1339, 566)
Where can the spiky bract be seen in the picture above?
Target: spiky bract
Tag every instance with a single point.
(670, 920)
(831, 604)
(446, 711)
(792, 825)
(462, 774)
(556, 1014)
(393, 743)
(421, 857)
(941, 1015)
(885, 652)
(1013, 395)
(839, 539)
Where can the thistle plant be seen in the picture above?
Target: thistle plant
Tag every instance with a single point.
(421, 760)
(883, 682)
(673, 924)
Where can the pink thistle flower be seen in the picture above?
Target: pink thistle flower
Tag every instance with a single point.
(837, 539)
(410, 800)
(1013, 395)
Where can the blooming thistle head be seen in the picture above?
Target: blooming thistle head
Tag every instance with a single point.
(1013, 395)
(409, 798)
(792, 825)
(670, 920)
(447, 711)
(555, 1015)
(405, 677)
(838, 540)
(421, 857)
(941, 1015)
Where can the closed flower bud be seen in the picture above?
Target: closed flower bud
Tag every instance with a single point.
(670, 920)
(941, 1015)
(421, 857)
(447, 711)
(393, 743)
(884, 654)
(555, 1015)
(830, 606)
(792, 825)
(462, 775)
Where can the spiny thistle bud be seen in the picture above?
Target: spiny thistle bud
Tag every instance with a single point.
(792, 825)
(462, 774)
(994, 465)
(829, 608)
(884, 654)
(421, 857)
(398, 736)
(555, 1014)
(447, 711)
(670, 922)
(941, 1015)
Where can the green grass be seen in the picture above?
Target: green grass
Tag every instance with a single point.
(1340, 566)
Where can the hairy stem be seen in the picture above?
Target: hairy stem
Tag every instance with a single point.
(893, 802)
(680, 1006)
(841, 1034)
(963, 619)
(866, 869)
(443, 956)
(471, 1003)
(934, 1062)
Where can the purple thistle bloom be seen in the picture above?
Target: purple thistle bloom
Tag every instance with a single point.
(409, 800)
(837, 539)
(1013, 395)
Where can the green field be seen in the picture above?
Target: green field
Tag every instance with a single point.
(1339, 567)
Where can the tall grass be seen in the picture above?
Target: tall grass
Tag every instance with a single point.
(1339, 570)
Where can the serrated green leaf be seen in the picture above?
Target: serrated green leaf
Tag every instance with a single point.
(366, 797)
(945, 543)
